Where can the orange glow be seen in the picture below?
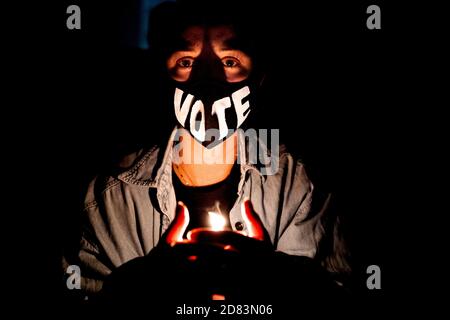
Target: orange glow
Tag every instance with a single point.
(216, 296)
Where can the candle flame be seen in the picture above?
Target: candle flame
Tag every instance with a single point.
(217, 221)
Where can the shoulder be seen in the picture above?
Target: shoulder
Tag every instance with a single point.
(287, 186)
(111, 177)
(289, 169)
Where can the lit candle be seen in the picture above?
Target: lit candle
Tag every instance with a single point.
(216, 233)
(217, 221)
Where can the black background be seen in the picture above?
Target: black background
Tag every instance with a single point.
(340, 107)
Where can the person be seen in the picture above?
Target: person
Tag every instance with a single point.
(213, 74)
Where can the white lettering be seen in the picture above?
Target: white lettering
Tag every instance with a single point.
(200, 132)
(218, 108)
(181, 113)
(241, 108)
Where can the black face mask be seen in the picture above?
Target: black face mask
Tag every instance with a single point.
(210, 111)
(209, 107)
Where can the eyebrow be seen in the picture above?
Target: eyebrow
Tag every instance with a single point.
(183, 45)
(233, 43)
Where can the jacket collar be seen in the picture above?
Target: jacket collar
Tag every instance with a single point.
(155, 167)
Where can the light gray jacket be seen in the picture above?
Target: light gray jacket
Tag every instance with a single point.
(125, 215)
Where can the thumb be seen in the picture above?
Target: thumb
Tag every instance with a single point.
(178, 226)
(252, 221)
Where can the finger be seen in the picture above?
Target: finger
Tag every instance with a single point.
(178, 226)
(252, 221)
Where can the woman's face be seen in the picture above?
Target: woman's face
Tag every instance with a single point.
(215, 48)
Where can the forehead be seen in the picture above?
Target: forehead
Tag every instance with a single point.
(197, 35)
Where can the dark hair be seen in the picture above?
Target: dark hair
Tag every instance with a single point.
(169, 19)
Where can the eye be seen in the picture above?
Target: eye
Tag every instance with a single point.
(230, 62)
(185, 62)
